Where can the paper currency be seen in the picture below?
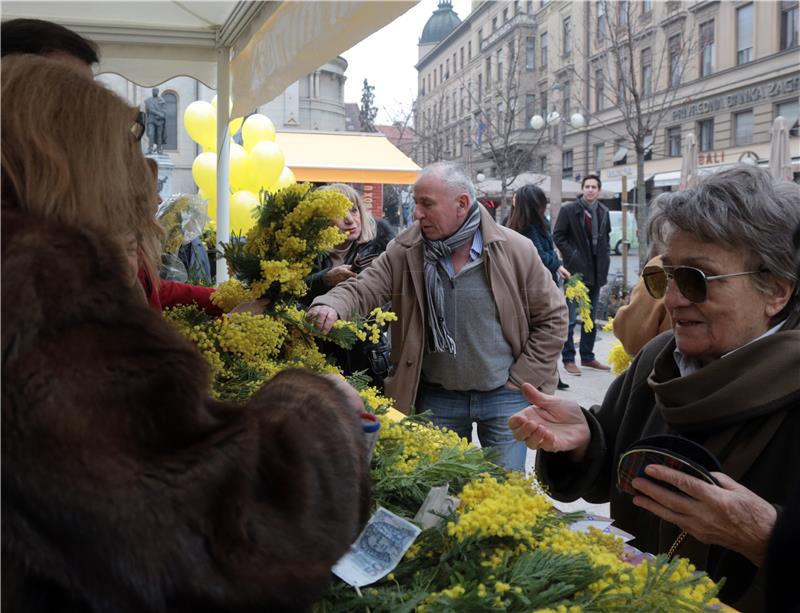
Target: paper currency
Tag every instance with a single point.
(377, 550)
(436, 506)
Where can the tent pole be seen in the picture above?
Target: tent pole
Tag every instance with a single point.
(223, 154)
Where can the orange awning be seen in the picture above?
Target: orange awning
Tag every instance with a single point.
(347, 157)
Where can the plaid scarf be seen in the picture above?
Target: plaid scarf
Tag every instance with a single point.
(434, 253)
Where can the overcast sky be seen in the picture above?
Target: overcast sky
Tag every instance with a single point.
(387, 59)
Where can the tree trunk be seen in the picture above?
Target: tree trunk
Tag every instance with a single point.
(641, 208)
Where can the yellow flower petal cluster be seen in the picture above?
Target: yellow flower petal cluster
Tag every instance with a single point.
(229, 294)
(416, 440)
(577, 292)
(619, 359)
(609, 327)
(490, 508)
(290, 275)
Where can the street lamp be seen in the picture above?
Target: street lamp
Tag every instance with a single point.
(555, 121)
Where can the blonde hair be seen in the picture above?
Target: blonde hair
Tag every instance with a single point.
(68, 152)
(369, 228)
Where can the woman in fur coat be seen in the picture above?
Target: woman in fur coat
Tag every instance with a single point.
(124, 486)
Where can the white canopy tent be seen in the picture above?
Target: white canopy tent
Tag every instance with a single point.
(250, 51)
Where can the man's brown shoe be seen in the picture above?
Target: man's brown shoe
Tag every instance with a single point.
(572, 368)
(596, 365)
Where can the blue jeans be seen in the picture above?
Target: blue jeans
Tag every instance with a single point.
(587, 338)
(490, 410)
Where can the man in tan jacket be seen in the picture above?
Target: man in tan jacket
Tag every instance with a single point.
(478, 313)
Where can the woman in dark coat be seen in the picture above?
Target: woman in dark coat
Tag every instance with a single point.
(125, 487)
(365, 238)
(527, 217)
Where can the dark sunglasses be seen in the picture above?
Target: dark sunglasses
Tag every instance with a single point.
(691, 282)
(137, 127)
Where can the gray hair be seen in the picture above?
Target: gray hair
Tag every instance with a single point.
(742, 208)
(453, 176)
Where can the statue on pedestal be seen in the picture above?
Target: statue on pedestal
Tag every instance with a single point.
(156, 122)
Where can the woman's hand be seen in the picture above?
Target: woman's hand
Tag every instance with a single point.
(254, 307)
(564, 273)
(337, 274)
(730, 515)
(551, 424)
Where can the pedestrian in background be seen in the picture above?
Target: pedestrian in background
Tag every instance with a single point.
(582, 235)
(478, 313)
(527, 217)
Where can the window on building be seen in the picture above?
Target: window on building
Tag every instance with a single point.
(566, 98)
(675, 60)
(789, 24)
(517, 8)
(512, 57)
(620, 153)
(543, 163)
(566, 162)
(469, 50)
(647, 7)
(480, 38)
(647, 72)
(743, 128)
(455, 102)
(505, 15)
(705, 135)
(543, 103)
(461, 56)
(461, 103)
(599, 156)
(455, 66)
(171, 131)
(567, 34)
(530, 108)
(429, 81)
(500, 64)
(648, 146)
(500, 118)
(601, 20)
(744, 34)
(706, 48)
(422, 87)
(530, 53)
(480, 87)
(674, 142)
(488, 72)
(599, 90)
(447, 69)
(543, 49)
(494, 24)
(790, 111)
(441, 73)
(624, 7)
(529, 7)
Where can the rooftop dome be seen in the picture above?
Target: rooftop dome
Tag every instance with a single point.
(443, 21)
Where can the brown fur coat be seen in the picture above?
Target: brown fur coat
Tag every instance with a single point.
(124, 487)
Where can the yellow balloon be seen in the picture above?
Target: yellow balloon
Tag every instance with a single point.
(235, 124)
(257, 128)
(204, 172)
(241, 168)
(242, 206)
(267, 159)
(285, 179)
(200, 121)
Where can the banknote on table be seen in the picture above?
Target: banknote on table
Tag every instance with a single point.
(377, 550)
(436, 506)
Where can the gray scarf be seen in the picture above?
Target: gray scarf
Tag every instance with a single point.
(435, 252)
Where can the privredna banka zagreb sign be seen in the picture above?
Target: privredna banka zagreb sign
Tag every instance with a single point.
(744, 96)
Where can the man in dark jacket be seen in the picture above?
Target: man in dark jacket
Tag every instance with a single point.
(582, 236)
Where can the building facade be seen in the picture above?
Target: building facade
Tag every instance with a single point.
(315, 102)
(643, 74)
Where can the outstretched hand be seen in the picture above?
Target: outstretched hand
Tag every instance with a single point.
(551, 424)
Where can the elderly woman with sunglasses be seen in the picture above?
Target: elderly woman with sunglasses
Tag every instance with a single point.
(727, 377)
